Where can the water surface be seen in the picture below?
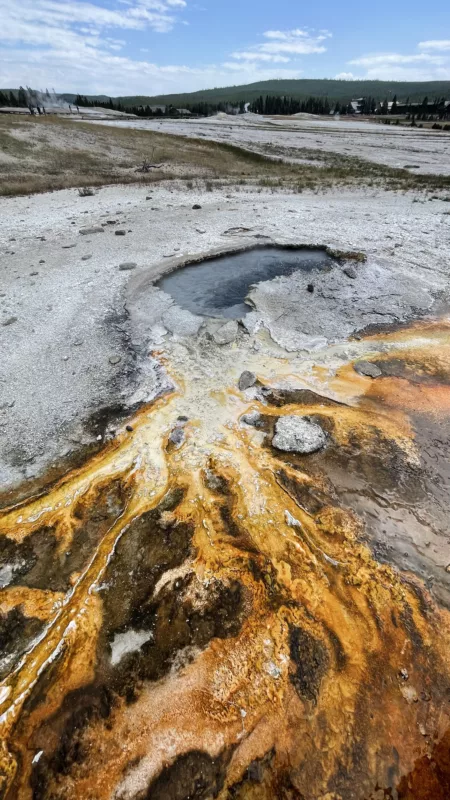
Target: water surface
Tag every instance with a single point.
(218, 287)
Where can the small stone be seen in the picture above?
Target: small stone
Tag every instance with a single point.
(367, 369)
(127, 265)
(410, 694)
(68, 246)
(9, 321)
(119, 233)
(114, 359)
(252, 418)
(86, 258)
(87, 231)
(200, 230)
(246, 380)
(422, 730)
(404, 674)
(111, 222)
(129, 428)
(447, 569)
(78, 343)
(227, 333)
(177, 436)
(350, 272)
(310, 288)
(196, 207)
(295, 434)
(35, 272)
(42, 261)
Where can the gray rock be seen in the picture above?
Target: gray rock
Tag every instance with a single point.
(252, 418)
(350, 272)
(227, 333)
(127, 265)
(68, 246)
(295, 434)
(181, 322)
(9, 321)
(246, 380)
(119, 233)
(177, 436)
(196, 207)
(87, 231)
(367, 369)
(115, 359)
(86, 258)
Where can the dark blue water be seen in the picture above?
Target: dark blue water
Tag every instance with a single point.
(218, 287)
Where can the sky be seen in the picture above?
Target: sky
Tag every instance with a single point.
(150, 47)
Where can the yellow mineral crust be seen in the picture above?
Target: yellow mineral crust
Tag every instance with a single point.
(276, 656)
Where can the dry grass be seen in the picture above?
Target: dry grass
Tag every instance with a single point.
(44, 154)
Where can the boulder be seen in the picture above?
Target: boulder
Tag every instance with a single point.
(295, 434)
(246, 380)
(227, 333)
(251, 418)
(367, 369)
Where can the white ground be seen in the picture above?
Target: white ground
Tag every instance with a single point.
(422, 151)
(55, 358)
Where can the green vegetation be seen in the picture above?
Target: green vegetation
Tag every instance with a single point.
(342, 91)
(39, 154)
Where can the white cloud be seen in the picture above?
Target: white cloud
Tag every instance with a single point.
(423, 66)
(345, 76)
(435, 44)
(248, 55)
(283, 44)
(396, 58)
(78, 46)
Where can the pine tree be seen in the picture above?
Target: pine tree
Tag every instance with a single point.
(22, 98)
(394, 105)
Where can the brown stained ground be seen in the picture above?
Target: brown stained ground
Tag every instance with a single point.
(227, 620)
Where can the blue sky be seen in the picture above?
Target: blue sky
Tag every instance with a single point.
(157, 46)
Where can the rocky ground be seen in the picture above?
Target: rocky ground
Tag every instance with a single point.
(69, 343)
(242, 587)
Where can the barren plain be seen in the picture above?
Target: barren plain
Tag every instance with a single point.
(224, 549)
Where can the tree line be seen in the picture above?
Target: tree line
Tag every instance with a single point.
(269, 105)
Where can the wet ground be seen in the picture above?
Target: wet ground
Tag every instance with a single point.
(196, 613)
(190, 611)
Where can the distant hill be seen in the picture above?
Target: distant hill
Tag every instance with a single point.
(342, 91)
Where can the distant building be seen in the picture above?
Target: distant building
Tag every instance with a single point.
(441, 109)
(357, 105)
